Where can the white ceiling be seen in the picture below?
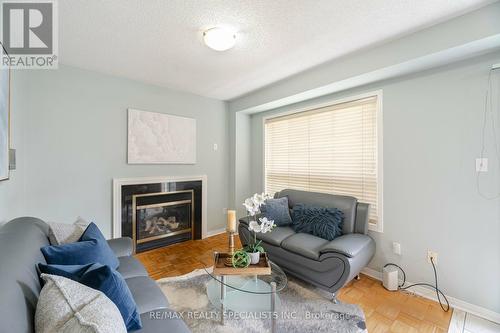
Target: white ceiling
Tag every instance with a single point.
(159, 41)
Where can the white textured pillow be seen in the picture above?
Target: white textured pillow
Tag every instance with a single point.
(62, 233)
(67, 306)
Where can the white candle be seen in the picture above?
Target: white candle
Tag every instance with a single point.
(231, 220)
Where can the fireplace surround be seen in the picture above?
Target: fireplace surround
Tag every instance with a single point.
(157, 212)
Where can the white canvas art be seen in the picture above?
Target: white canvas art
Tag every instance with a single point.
(158, 138)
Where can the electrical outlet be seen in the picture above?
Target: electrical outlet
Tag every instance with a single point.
(433, 255)
(396, 248)
(216, 147)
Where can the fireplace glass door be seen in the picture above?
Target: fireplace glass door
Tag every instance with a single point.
(162, 215)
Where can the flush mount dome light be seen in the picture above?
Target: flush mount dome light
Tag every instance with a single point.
(219, 39)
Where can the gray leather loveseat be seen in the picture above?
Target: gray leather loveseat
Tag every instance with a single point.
(326, 264)
(20, 243)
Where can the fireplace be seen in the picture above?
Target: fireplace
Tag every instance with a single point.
(157, 212)
(160, 215)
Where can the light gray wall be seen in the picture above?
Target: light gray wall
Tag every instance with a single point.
(241, 173)
(243, 162)
(75, 143)
(432, 132)
(12, 199)
(231, 125)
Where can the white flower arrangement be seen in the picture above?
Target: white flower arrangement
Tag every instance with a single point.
(252, 206)
(264, 226)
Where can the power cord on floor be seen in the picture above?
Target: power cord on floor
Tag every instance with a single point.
(439, 293)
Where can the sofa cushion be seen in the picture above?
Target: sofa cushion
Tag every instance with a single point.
(345, 203)
(162, 320)
(68, 306)
(92, 248)
(63, 233)
(349, 245)
(131, 267)
(79, 253)
(324, 222)
(104, 279)
(278, 211)
(304, 244)
(147, 295)
(277, 236)
(92, 233)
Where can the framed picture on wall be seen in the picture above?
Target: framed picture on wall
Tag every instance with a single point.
(4, 120)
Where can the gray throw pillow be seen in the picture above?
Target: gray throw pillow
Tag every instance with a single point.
(67, 306)
(63, 233)
(277, 210)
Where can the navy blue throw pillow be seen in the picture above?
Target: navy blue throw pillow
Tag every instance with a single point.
(104, 279)
(322, 222)
(277, 210)
(91, 248)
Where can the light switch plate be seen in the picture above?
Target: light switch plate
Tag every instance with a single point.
(481, 164)
(396, 248)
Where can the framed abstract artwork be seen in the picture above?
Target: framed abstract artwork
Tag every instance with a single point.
(159, 138)
(4, 121)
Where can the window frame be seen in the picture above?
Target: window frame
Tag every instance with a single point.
(379, 226)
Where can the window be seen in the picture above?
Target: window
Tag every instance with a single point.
(332, 149)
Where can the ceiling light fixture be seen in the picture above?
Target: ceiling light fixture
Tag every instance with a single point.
(219, 39)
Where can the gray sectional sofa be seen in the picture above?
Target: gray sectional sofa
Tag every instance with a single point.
(20, 243)
(326, 264)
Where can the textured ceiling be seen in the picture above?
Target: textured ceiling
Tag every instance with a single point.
(159, 41)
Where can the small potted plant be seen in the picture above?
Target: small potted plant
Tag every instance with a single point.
(254, 250)
(252, 206)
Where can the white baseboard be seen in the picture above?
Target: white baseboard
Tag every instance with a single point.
(215, 232)
(457, 322)
(454, 302)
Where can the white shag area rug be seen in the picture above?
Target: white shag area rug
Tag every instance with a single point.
(303, 308)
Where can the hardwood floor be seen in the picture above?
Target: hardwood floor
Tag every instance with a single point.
(385, 311)
(182, 258)
(388, 311)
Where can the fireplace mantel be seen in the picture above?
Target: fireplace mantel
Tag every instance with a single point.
(117, 197)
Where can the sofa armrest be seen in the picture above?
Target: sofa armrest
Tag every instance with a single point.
(245, 220)
(349, 245)
(362, 218)
(122, 247)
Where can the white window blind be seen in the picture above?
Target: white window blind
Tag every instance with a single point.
(332, 149)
